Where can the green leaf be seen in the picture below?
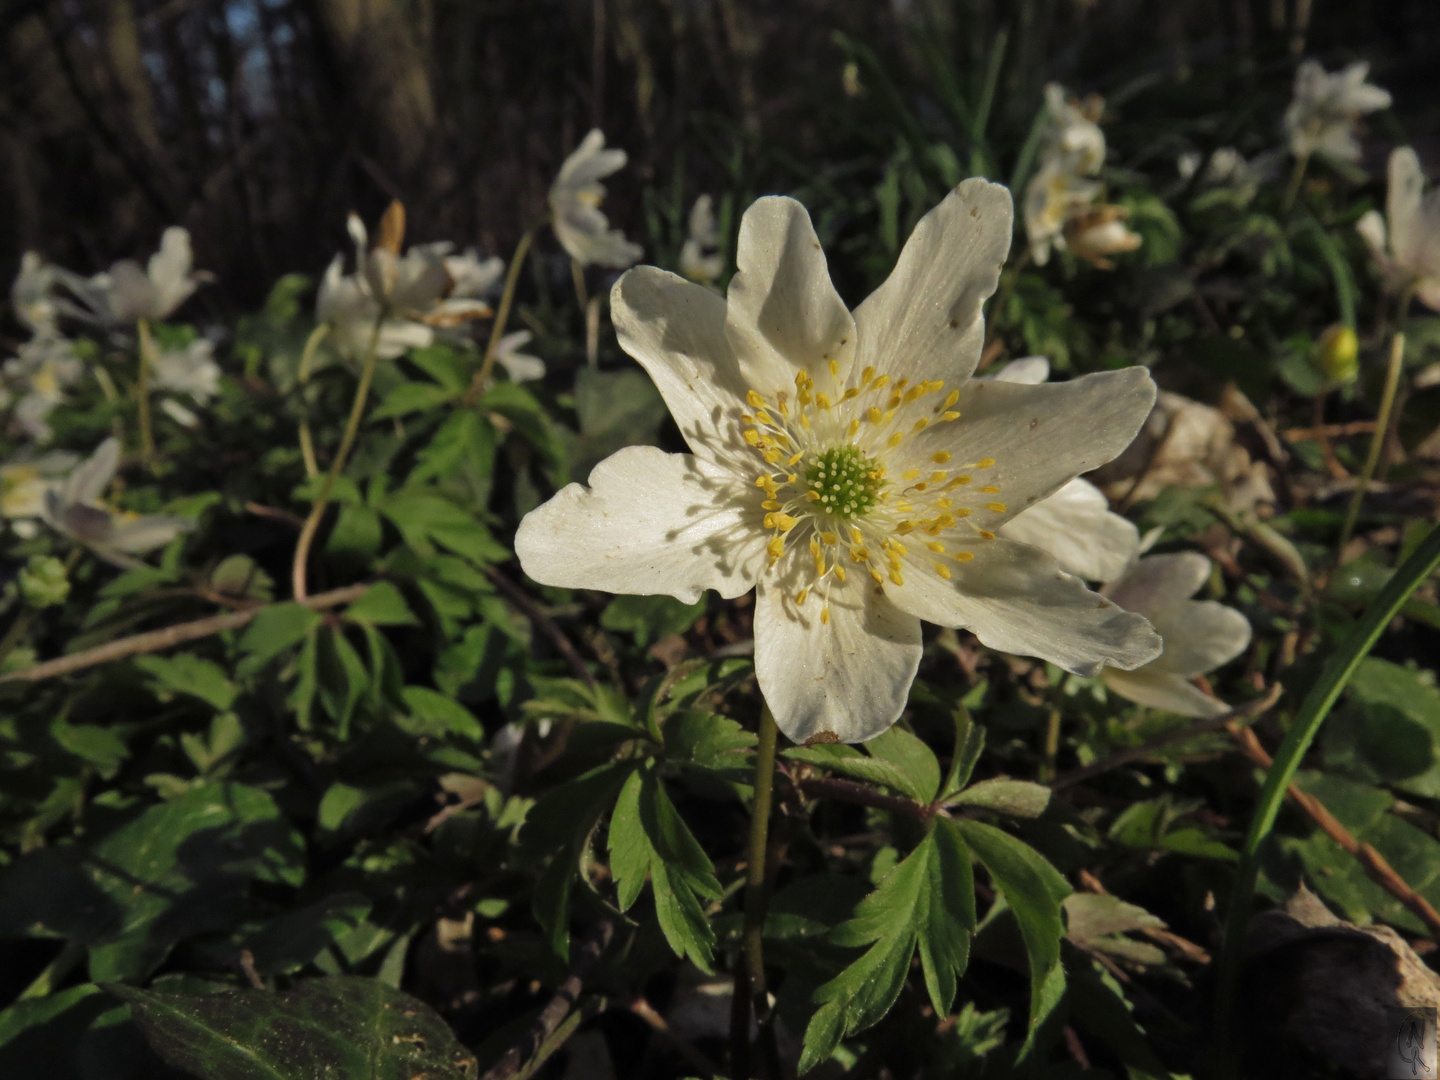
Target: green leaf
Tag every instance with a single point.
(382, 605)
(190, 675)
(629, 847)
(650, 618)
(275, 630)
(1018, 798)
(423, 516)
(441, 714)
(837, 757)
(443, 364)
(708, 740)
(969, 742)
(1034, 891)
(341, 1026)
(413, 397)
(292, 940)
(913, 760)
(464, 438)
(357, 532)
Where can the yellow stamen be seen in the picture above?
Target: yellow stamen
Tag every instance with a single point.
(802, 596)
(776, 547)
(942, 570)
(941, 457)
(963, 556)
(998, 508)
(950, 416)
(755, 400)
(985, 463)
(990, 489)
(895, 576)
(825, 615)
(894, 440)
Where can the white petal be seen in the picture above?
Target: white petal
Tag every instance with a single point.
(676, 330)
(1371, 228)
(88, 482)
(130, 295)
(145, 533)
(1200, 636)
(1402, 205)
(1159, 582)
(590, 161)
(169, 271)
(650, 523)
(1015, 598)
(784, 314)
(1030, 370)
(850, 678)
(1040, 436)
(1076, 526)
(1163, 690)
(925, 321)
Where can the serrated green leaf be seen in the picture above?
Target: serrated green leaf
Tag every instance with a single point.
(382, 605)
(273, 631)
(629, 848)
(707, 740)
(445, 365)
(848, 761)
(191, 675)
(969, 742)
(413, 397)
(913, 760)
(441, 714)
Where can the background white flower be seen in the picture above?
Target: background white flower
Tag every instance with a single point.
(847, 467)
(700, 260)
(1322, 115)
(575, 197)
(520, 366)
(191, 371)
(24, 480)
(1406, 241)
(126, 293)
(1199, 635)
(36, 380)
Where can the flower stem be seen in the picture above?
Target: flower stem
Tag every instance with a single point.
(1377, 441)
(1052, 729)
(307, 361)
(750, 976)
(1293, 189)
(577, 275)
(142, 391)
(502, 316)
(352, 428)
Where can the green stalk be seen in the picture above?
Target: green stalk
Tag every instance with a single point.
(142, 391)
(750, 976)
(347, 441)
(1294, 187)
(502, 316)
(307, 361)
(1313, 710)
(1377, 441)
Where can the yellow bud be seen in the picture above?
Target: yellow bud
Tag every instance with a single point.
(1339, 350)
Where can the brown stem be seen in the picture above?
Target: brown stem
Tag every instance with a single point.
(557, 1008)
(155, 640)
(518, 597)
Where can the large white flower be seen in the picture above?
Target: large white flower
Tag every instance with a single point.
(126, 293)
(700, 258)
(1321, 116)
(847, 467)
(74, 510)
(1199, 635)
(1408, 251)
(575, 196)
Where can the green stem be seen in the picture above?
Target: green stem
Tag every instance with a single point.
(750, 976)
(142, 391)
(1052, 730)
(307, 361)
(502, 316)
(352, 428)
(1313, 710)
(577, 275)
(1377, 442)
(1293, 189)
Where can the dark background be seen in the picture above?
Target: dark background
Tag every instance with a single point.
(259, 123)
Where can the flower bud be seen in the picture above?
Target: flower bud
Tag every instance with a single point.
(43, 582)
(1339, 350)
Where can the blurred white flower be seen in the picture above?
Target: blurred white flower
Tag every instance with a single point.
(1054, 195)
(1322, 114)
(521, 367)
(473, 277)
(848, 468)
(191, 370)
(1406, 241)
(39, 375)
(1098, 233)
(580, 226)
(74, 510)
(24, 480)
(1199, 635)
(1073, 135)
(700, 259)
(33, 297)
(126, 293)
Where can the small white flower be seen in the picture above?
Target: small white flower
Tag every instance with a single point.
(24, 480)
(40, 374)
(74, 510)
(700, 259)
(33, 298)
(1072, 135)
(191, 370)
(1071, 156)
(1322, 115)
(1199, 635)
(580, 226)
(473, 277)
(1099, 233)
(520, 366)
(1054, 195)
(848, 468)
(126, 293)
(1408, 251)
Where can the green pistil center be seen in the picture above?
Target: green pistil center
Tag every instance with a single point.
(845, 480)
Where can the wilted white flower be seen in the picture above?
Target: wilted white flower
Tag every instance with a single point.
(126, 293)
(575, 198)
(700, 259)
(1199, 635)
(1054, 195)
(1408, 251)
(74, 510)
(39, 376)
(847, 467)
(1072, 135)
(1075, 524)
(1322, 115)
(23, 482)
(1099, 233)
(520, 366)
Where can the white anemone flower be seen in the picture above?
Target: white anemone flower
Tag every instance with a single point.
(848, 468)
(1096, 234)
(1322, 115)
(1075, 524)
(33, 297)
(575, 196)
(520, 366)
(40, 374)
(1199, 635)
(1072, 134)
(700, 259)
(474, 277)
(1054, 195)
(1408, 251)
(24, 480)
(191, 371)
(126, 293)
(74, 510)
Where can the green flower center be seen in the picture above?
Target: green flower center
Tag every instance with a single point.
(846, 482)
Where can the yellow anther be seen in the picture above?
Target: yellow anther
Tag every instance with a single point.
(921, 424)
(834, 368)
(945, 520)
(747, 418)
(937, 476)
(804, 421)
(959, 481)
(985, 463)
(881, 382)
(805, 397)
(998, 508)
(921, 487)
(896, 400)
(769, 521)
(853, 392)
(822, 401)
(902, 384)
(963, 512)
(859, 554)
(791, 478)
(985, 534)
(940, 457)
(895, 576)
(780, 437)
(840, 573)
(879, 577)
(754, 399)
(802, 596)
(899, 548)
(752, 436)
(905, 528)
(829, 538)
(819, 566)
(853, 428)
(813, 496)
(991, 489)
(874, 415)
(785, 522)
(794, 458)
(942, 570)
(867, 375)
(963, 556)
(763, 480)
(762, 417)
(950, 416)
(909, 474)
(772, 456)
(914, 393)
(800, 379)
(939, 549)
(950, 399)
(825, 615)
(856, 536)
(944, 504)
(776, 547)
(770, 504)
(814, 546)
(780, 405)
(895, 439)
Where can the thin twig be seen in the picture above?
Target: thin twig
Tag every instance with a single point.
(557, 1008)
(862, 795)
(698, 1061)
(155, 640)
(261, 510)
(528, 608)
(1170, 738)
(1376, 868)
(1330, 431)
